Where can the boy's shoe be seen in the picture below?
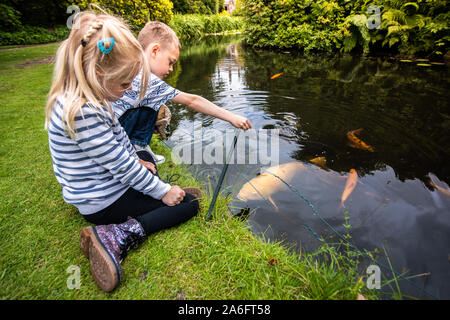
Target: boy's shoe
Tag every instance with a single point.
(196, 192)
(106, 246)
(163, 120)
(158, 158)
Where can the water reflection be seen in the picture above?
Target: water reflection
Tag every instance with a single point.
(401, 200)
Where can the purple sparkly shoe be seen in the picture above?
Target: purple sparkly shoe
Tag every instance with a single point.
(106, 246)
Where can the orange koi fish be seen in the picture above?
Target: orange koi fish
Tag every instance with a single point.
(320, 162)
(352, 180)
(276, 75)
(357, 143)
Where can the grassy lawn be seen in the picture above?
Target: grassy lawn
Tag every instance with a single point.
(39, 232)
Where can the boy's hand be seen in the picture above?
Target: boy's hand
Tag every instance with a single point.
(240, 122)
(174, 196)
(150, 166)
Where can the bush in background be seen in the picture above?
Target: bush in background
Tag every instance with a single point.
(135, 12)
(32, 21)
(190, 26)
(406, 26)
(34, 35)
(198, 6)
(9, 18)
(41, 13)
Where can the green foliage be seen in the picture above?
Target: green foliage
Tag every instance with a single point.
(198, 6)
(42, 13)
(238, 9)
(406, 26)
(415, 27)
(194, 26)
(180, 6)
(136, 12)
(32, 22)
(9, 18)
(33, 35)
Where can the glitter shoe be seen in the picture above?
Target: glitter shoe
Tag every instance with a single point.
(106, 246)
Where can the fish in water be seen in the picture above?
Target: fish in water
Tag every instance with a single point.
(320, 162)
(276, 75)
(350, 185)
(439, 188)
(266, 184)
(357, 143)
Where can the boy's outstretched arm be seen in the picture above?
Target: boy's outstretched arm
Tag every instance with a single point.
(205, 106)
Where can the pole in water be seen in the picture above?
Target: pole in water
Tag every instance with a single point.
(219, 183)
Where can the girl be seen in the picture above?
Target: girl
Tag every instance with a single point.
(93, 159)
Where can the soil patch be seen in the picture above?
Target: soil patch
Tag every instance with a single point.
(30, 63)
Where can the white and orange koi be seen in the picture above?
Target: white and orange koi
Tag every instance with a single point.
(439, 188)
(350, 185)
(266, 184)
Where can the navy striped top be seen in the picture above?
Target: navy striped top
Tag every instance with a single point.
(157, 93)
(99, 164)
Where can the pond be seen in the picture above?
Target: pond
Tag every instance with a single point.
(313, 104)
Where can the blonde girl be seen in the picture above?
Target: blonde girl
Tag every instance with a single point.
(93, 159)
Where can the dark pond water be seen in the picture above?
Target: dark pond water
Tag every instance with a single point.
(403, 110)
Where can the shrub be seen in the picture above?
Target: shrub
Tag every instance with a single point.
(180, 6)
(406, 26)
(33, 35)
(198, 6)
(135, 12)
(9, 18)
(42, 13)
(194, 26)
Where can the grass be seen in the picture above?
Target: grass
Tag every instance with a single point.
(193, 26)
(220, 259)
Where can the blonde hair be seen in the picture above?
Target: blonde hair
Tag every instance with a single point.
(156, 31)
(82, 69)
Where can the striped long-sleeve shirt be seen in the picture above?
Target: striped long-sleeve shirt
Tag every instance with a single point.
(157, 93)
(99, 164)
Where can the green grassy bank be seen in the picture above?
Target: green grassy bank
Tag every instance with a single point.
(220, 259)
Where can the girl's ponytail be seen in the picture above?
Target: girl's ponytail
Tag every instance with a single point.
(81, 69)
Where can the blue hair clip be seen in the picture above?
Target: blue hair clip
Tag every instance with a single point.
(101, 45)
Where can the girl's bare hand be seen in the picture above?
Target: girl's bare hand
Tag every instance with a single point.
(174, 196)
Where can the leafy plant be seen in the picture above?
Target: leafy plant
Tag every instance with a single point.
(408, 27)
(9, 18)
(33, 35)
(191, 26)
(135, 12)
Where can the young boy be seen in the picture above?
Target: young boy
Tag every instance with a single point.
(162, 48)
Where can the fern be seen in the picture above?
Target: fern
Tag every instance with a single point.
(360, 22)
(410, 7)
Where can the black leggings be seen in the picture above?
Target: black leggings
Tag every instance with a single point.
(152, 214)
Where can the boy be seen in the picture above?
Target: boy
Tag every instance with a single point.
(162, 48)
